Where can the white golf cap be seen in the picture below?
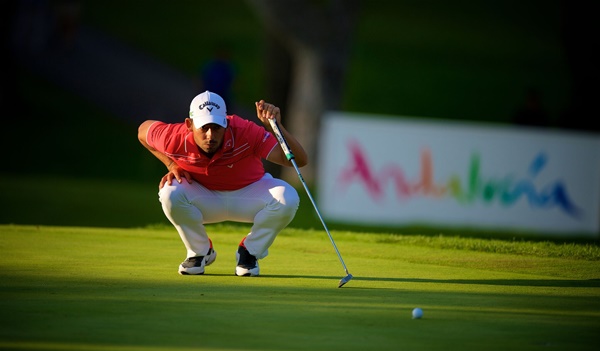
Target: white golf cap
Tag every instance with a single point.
(208, 108)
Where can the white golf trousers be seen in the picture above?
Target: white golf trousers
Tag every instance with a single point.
(270, 204)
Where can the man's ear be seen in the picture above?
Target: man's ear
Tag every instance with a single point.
(189, 124)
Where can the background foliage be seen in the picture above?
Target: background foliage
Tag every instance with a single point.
(71, 160)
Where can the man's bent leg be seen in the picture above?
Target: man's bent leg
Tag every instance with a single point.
(280, 204)
(176, 201)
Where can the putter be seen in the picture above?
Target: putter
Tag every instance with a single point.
(290, 156)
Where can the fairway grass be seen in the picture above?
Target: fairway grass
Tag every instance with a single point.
(78, 288)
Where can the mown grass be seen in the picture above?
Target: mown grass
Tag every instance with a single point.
(580, 251)
(66, 288)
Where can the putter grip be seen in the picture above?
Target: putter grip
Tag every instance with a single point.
(286, 149)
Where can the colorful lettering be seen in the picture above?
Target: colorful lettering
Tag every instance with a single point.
(505, 191)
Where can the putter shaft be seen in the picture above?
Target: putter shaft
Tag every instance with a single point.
(290, 156)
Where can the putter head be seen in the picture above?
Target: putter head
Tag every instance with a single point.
(345, 280)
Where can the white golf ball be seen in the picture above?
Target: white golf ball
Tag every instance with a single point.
(417, 313)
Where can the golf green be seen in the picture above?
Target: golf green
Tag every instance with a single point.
(77, 288)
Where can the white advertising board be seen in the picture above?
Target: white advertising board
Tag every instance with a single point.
(400, 171)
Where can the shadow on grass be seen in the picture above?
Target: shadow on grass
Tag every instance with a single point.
(559, 283)
(128, 313)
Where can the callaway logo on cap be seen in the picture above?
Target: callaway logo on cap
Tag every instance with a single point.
(208, 108)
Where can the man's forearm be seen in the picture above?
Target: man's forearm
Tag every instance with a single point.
(162, 158)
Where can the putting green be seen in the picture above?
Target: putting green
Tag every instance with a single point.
(75, 288)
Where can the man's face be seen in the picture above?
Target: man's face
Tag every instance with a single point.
(208, 138)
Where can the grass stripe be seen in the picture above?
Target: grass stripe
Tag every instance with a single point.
(66, 288)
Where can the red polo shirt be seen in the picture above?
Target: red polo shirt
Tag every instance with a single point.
(235, 165)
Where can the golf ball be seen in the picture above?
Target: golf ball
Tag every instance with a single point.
(417, 313)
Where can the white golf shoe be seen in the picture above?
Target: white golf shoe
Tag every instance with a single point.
(195, 265)
(247, 265)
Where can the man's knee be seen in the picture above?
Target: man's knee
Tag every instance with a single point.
(174, 194)
(288, 200)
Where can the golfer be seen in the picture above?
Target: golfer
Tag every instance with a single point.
(215, 174)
